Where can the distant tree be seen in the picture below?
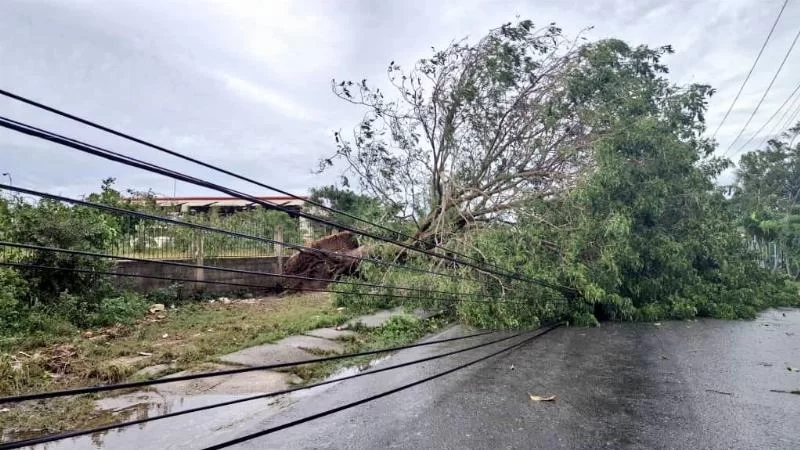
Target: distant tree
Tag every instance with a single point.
(354, 204)
(767, 197)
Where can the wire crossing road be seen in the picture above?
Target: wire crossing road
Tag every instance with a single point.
(703, 384)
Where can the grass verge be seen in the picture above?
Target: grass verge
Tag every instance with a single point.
(182, 338)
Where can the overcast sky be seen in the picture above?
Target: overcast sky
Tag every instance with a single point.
(245, 83)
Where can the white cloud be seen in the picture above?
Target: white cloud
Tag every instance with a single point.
(263, 94)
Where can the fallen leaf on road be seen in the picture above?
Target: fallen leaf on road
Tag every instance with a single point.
(537, 398)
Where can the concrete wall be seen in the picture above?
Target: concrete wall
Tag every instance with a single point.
(142, 284)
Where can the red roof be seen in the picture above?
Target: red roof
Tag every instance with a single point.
(266, 198)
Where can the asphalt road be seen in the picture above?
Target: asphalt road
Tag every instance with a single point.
(698, 385)
(703, 384)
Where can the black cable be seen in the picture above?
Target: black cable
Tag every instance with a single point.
(100, 429)
(741, 88)
(780, 124)
(221, 269)
(195, 376)
(764, 125)
(228, 283)
(760, 101)
(130, 275)
(274, 429)
(790, 120)
(133, 162)
(212, 167)
(300, 248)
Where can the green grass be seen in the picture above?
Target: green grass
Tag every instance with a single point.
(185, 337)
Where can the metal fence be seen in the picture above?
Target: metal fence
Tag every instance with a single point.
(157, 240)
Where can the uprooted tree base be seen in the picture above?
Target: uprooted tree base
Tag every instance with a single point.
(327, 259)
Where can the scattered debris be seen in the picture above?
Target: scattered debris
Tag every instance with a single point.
(87, 334)
(158, 307)
(719, 392)
(145, 354)
(161, 316)
(765, 364)
(512, 367)
(664, 357)
(796, 391)
(4, 410)
(341, 308)
(537, 398)
(789, 334)
(164, 336)
(224, 300)
(99, 338)
(658, 324)
(793, 369)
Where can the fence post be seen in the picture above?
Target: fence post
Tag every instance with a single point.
(199, 273)
(277, 235)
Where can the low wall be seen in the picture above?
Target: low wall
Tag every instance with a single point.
(214, 279)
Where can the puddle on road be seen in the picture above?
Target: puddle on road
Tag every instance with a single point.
(339, 374)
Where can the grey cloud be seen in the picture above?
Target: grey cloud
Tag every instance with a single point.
(245, 84)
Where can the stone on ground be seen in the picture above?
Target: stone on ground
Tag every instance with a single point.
(240, 383)
(331, 333)
(378, 319)
(151, 371)
(312, 343)
(266, 354)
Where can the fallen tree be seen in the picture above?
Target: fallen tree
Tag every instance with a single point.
(472, 133)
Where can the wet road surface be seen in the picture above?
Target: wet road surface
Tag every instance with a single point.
(704, 384)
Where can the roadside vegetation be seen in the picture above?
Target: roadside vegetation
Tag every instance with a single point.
(184, 336)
